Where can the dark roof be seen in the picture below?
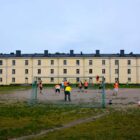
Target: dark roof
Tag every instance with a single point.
(71, 54)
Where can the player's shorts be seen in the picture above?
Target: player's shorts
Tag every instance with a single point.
(86, 87)
(115, 89)
(57, 90)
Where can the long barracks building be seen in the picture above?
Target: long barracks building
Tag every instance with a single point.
(18, 68)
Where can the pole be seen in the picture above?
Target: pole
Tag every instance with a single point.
(103, 93)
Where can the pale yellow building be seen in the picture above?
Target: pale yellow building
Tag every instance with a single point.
(21, 68)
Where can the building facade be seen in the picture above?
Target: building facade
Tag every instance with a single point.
(18, 68)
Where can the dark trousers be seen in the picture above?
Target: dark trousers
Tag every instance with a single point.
(67, 93)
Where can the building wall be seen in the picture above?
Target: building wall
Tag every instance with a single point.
(99, 64)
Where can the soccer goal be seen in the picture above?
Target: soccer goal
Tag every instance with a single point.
(86, 91)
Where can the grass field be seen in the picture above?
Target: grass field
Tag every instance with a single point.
(18, 119)
(118, 125)
(8, 88)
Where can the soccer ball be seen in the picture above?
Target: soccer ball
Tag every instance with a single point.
(138, 103)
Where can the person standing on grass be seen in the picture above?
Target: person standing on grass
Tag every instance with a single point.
(116, 88)
(40, 86)
(86, 85)
(68, 92)
(57, 88)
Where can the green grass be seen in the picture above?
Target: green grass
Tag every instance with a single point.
(118, 125)
(10, 88)
(110, 86)
(19, 119)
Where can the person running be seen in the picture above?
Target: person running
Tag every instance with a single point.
(116, 88)
(40, 86)
(57, 88)
(68, 92)
(86, 85)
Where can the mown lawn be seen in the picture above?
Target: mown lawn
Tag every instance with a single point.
(19, 119)
(118, 125)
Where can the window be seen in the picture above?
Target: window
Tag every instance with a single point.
(39, 71)
(77, 71)
(39, 62)
(65, 71)
(13, 71)
(0, 79)
(129, 79)
(129, 62)
(90, 80)
(26, 62)
(13, 62)
(77, 79)
(116, 79)
(52, 71)
(90, 71)
(116, 71)
(90, 62)
(64, 79)
(1, 62)
(52, 62)
(26, 80)
(129, 71)
(116, 62)
(103, 62)
(77, 62)
(51, 79)
(64, 62)
(0, 71)
(13, 80)
(103, 71)
(26, 71)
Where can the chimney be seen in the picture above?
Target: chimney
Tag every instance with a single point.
(18, 52)
(46, 52)
(121, 52)
(71, 52)
(12, 53)
(97, 53)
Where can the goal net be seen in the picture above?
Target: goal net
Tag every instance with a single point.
(85, 91)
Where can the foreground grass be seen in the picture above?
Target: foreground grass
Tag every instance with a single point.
(118, 125)
(19, 119)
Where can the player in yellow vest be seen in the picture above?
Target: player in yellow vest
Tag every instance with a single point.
(68, 92)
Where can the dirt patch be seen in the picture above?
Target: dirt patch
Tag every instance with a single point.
(124, 97)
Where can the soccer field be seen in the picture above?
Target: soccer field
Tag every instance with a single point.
(92, 96)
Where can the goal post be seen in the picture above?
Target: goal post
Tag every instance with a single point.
(95, 91)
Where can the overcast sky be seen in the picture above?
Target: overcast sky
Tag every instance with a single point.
(33, 26)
